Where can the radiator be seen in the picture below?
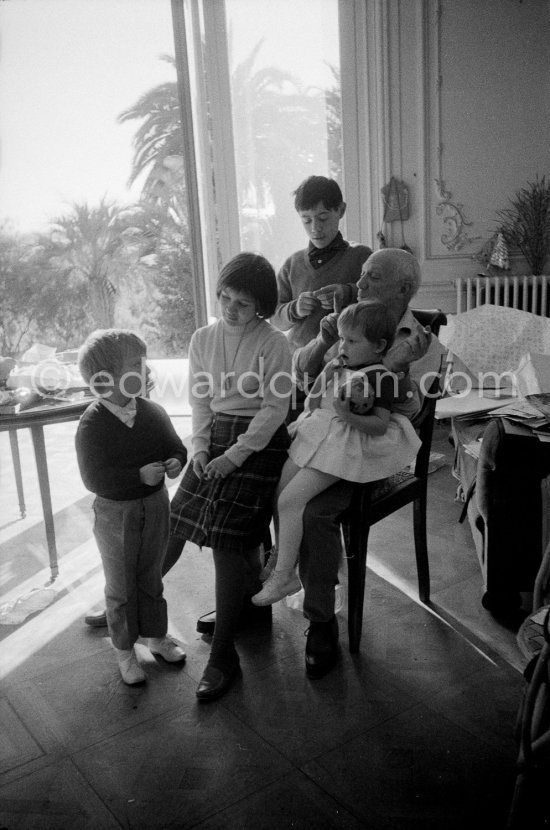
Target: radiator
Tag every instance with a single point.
(525, 293)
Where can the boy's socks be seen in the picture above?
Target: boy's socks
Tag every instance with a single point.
(130, 670)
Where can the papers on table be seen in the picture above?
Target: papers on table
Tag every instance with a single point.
(532, 414)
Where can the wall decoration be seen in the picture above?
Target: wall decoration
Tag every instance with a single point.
(452, 213)
(396, 200)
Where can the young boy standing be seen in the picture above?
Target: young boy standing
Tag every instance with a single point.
(125, 445)
(312, 280)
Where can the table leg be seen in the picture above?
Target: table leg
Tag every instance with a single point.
(14, 443)
(37, 433)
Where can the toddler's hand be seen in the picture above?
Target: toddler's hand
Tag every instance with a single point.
(342, 406)
(152, 474)
(172, 467)
(306, 304)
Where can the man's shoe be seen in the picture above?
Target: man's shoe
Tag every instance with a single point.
(96, 620)
(250, 615)
(215, 682)
(321, 647)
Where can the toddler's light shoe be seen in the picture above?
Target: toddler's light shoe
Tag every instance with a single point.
(269, 565)
(130, 670)
(167, 648)
(278, 585)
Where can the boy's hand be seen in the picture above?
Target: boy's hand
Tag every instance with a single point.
(200, 460)
(219, 467)
(329, 329)
(172, 467)
(331, 296)
(306, 303)
(152, 474)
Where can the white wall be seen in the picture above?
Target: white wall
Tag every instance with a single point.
(469, 85)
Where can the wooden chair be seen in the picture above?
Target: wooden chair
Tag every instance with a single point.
(530, 807)
(374, 501)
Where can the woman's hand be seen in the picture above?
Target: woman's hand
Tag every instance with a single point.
(219, 467)
(172, 467)
(200, 460)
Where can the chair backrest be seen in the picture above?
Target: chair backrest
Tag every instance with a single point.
(424, 421)
(432, 317)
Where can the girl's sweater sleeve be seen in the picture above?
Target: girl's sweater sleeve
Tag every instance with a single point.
(200, 396)
(275, 354)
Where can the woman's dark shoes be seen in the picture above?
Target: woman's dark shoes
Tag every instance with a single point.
(321, 647)
(250, 615)
(216, 681)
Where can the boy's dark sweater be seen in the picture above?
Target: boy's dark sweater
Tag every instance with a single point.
(110, 454)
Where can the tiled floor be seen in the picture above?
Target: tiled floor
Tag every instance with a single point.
(415, 732)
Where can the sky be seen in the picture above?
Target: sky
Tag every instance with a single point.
(68, 68)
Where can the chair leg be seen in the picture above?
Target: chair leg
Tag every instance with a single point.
(421, 547)
(356, 549)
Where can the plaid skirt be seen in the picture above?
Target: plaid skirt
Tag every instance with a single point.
(232, 513)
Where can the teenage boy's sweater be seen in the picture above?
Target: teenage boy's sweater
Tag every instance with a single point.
(298, 275)
(110, 454)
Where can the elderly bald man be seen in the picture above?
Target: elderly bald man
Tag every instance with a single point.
(392, 276)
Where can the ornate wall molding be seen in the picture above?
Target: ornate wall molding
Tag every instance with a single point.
(450, 211)
(452, 215)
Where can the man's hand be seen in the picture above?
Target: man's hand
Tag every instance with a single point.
(405, 352)
(152, 474)
(219, 467)
(200, 460)
(331, 296)
(329, 329)
(172, 467)
(306, 303)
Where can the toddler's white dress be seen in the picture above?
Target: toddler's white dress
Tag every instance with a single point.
(325, 442)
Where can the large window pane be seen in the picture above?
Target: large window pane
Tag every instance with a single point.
(285, 86)
(93, 227)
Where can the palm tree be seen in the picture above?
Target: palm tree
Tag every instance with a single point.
(88, 240)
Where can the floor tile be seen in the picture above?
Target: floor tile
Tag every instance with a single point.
(180, 769)
(291, 803)
(418, 770)
(54, 798)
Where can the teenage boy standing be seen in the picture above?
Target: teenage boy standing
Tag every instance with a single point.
(322, 277)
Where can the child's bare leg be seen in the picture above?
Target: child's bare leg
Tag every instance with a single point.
(287, 474)
(301, 488)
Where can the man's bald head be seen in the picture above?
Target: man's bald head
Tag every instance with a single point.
(392, 276)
